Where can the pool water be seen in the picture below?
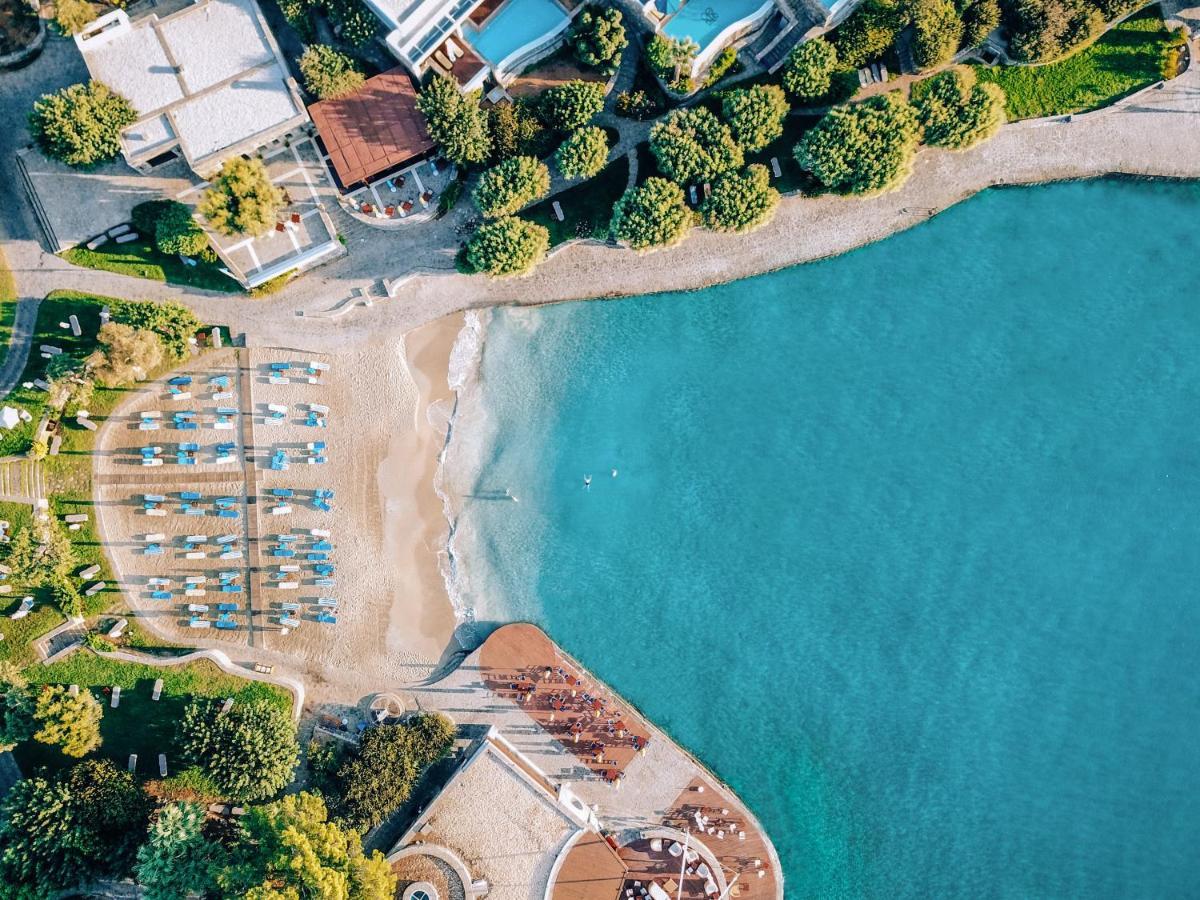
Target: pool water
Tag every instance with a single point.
(904, 544)
(517, 24)
(704, 20)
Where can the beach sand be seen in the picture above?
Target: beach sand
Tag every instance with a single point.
(415, 528)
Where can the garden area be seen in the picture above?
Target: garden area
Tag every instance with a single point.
(586, 207)
(1123, 60)
(142, 259)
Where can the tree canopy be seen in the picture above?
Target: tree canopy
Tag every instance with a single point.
(862, 148)
(177, 859)
(329, 73)
(175, 231)
(958, 112)
(740, 201)
(651, 215)
(16, 707)
(83, 823)
(808, 71)
(289, 849)
(250, 752)
(81, 125)
(566, 107)
(598, 38)
(507, 246)
(692, 146)
(510, 185)
(1040, 30)
(980, 19)
(71, 723)
(868, 32)
(755, 114)
(241, 199)
(671, 60)
(455, 121)
(173, 322)
(516, 130)
(379, 777)
(125, 354)
(583, 153)
(937, 32)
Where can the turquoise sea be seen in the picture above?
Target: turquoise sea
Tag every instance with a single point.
(904, 544)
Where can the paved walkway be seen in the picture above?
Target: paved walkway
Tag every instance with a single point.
(21, 480)
(19, 343)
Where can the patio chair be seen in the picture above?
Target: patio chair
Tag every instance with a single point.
(426, 197)
(390, 212)
(280, 227)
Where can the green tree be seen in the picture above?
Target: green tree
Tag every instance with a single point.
(863, 148)
(755, 114)
(516, 130)
(958, 112)
(81, 125)
(328, 72)
(174, 323)
(290, 850)
(125, 354)
(692, 146)
(1040, 30)
(379, 777)
(937, 32)
(740, 201)
(507, 246)
(455, 121)
(177, 859)
(16, 707)
(71, 723)
(176, 232)
(511, 185)
(868, 32)
(598, 38)
(57, 833)
(66, 596)
(72, 16)
(980, 19)
(671, 60)
(250, 752)
(571, 105)
(808, 71)
(241, 198)
(40, 553)
(583, 154)
(652, 215)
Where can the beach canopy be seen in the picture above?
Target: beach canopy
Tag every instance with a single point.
(9, 417)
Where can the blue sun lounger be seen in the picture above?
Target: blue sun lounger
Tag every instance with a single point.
(181, 379)
(228, 513)
(227, 607)
(322, 506)
(226, 502)
(160, 595)
(227, 539)
(226, 447)
(313, 420)
(289, 622)
(323, 493)
(225, 624)
(190, 495)
(280, 366)
(150, 504)
(316, 557)
(153, 550)
(191, 448)
(281, 492)
(283, 552)
(231, 589)
(322, 546)
(327, 618)
(323, 568)
(154, 498)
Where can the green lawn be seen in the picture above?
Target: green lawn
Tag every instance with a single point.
(792, 178)
(1123, 60)
(8, 305)
(140, 259)
(139, 724)
(587, 207)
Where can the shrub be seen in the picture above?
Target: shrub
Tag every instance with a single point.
(511, 185)
(721, 66)
(377, 779)
(176, 232)
(146, 214)
(693, 145)
(250, 752)
(740, 201)
(938, 31)
(357, 24)
(508, 246)
(455, 121)
(868, 32)
(125, 355)
(862, 148)
(652, 215)
(571, 105)
(583, 154)
(1170, 63)
(755, 114)
(636, 105)
(98, 643)
(329, 73)
(174, 323)
(671, 60)
(70, 723)
(957, 112)
(241, 198)
(808, 71)
(598, 38)
(177, 858)
(72, 16)
(1040, 30)
(980, 19)
(515, 130)
(81, 125)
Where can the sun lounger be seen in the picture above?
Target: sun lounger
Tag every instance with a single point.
(227, 607)
(224, 460)
(287, 585)
(227, 539)
(156, 512)
(322, 505)
(151, 461)
(289, 607)
(229, 575)
(221, 381)
(23, 610)
(314, 421)
(231, 589)
(158, 686)
(89, 571)
(223, 395)
(327, 618)
(323, 569)
(316, 557)
(228, 513)
(277, 408)
(280, 510)
(314, 367)
(319, 532)
(190, 495)
(148, 426)
(327, 601)
(322, 546)
(195, 511)
(291, 567)
(158, 581)
(153, 550)
(287, 538)
(180, 380)
(289, 622)
(226, 624)
(231, 554)
(154, 498)
(197, 622)
(283, 552)
(95, 589)
(318, 408)
(160, 595)
(177, 394)
(116, 697)
(226, 502)
(323, 582)
(195, 554)
(276, 379)
(280, 366)
(281, 492)
(198, 607)
(194, 592)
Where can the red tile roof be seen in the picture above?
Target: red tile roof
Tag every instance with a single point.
(374, 129)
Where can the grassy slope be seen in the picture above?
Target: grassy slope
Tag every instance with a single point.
(140, 259)
(1124, 60)
(587, 207)
(8, 305)
(139, 724)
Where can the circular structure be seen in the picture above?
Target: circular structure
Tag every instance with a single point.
(386, 709)
(422, 890)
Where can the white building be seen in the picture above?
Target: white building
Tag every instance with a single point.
(207, 82)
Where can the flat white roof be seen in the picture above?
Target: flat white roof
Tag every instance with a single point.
(134, 63)
(216, 41)
(256, 102)
(149, 134)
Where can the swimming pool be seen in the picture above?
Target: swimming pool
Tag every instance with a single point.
(704, 20)
(519, 24)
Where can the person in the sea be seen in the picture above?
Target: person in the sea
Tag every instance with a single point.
(587, 482)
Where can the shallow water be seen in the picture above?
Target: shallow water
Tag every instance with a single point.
(904, 544)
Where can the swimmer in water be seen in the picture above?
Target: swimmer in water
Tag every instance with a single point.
(587, 482)
(614, 473)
